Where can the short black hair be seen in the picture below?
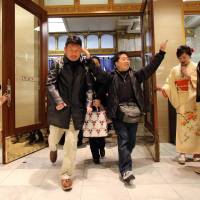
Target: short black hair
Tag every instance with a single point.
(184, 49)
(73, 39)
(117, 56)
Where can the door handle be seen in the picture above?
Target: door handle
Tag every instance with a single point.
(8, 91)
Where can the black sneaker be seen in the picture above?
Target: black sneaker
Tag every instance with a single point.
(128, 177)
(96, 161)
(102, 153)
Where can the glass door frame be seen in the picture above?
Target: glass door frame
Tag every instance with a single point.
(8, 69)
(152, 124)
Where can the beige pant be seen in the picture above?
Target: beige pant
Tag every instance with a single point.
(70, 147)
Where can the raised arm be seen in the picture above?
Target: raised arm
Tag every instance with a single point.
(100, 75)
(144, 73)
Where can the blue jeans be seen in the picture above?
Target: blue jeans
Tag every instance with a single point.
(126, 135)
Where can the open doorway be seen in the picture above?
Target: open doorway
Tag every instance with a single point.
(103, 37)
(123, 33)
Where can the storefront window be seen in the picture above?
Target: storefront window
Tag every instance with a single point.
(52, 43)
(61, 42)
(92, 42)
(107, 41)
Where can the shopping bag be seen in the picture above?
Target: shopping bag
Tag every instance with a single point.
(95, 125)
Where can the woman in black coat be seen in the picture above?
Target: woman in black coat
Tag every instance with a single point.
(97, 144)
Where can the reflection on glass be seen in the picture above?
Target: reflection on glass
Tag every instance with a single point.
(148, 85)
(26, 143)
(27, 67)
(136, 63)
(134, 44)
(192, 32)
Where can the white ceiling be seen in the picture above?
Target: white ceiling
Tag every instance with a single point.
(91, 24)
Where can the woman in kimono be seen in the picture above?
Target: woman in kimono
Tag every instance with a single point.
(198, 98)
(181, 90)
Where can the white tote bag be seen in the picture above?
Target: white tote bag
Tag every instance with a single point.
(95, 124)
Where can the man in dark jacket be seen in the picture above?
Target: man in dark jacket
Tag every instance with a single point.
(124, 88)
(69, 87)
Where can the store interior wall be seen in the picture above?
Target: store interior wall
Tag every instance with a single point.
(168, 24)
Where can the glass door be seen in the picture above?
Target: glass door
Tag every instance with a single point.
(151, 122)
(24, 76)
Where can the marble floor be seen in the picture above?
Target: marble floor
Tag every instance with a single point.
(35, 178)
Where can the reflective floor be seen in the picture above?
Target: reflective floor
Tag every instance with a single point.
(35, 178)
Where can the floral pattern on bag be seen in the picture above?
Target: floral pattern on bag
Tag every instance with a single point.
(95, 125)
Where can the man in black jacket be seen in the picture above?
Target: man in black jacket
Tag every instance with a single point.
(69, 87)
(124, 87)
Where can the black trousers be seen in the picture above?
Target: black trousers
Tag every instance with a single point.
(96, 144)
(80, 138)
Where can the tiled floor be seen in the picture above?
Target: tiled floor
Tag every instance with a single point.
(35, 178)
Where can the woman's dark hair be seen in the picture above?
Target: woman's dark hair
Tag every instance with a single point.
(117, 56)
(97, 58)
(184, 49)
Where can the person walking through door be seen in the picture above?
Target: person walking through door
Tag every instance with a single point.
(97, 144)
(125, 103)
(69, 93)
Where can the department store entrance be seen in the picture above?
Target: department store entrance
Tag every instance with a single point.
(25, 56)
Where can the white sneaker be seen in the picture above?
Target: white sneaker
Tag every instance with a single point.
(197, 171)
(181, 159)
(128, 177)
(196, 157)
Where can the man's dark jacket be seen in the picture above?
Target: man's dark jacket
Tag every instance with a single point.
(137, 77)
(68, 83)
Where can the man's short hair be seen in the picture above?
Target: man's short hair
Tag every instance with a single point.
(117, 56)
(73, 40)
